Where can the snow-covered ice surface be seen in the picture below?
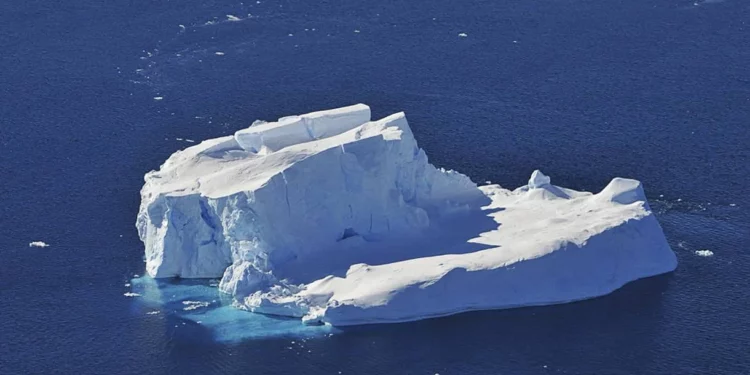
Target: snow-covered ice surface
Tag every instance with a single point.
(333, 218)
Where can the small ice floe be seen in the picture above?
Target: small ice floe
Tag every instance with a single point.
(356, 31)
(131, 294)
(155, 312)
(182, 27)
(127, 285)
(733, 205)
(38, 244)
(462, 35)
(219, 53)
(193, 305)
(179, 139)
(158, 97)
(291, 34)
(232, 18)
(189, 140)
(704, 253)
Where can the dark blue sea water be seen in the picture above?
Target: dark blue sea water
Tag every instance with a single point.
(585, 90)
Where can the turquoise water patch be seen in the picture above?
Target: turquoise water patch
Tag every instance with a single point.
(194, 308)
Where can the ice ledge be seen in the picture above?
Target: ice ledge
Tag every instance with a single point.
(287, 131)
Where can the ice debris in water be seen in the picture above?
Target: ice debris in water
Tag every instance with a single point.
(131, 294)
(232, 18)
(38, 244)
(704, 253)
(194, 305)
(462, 35)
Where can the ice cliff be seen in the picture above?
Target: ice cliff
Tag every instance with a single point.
(334, 218)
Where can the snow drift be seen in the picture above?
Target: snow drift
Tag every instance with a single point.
(334, 218)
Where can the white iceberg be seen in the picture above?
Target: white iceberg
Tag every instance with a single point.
(334, 218)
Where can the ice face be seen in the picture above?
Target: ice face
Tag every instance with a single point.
(334, 218)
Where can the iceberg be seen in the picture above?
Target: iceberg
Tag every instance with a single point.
(337, 219)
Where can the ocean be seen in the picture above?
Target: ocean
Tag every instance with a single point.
(95, 94)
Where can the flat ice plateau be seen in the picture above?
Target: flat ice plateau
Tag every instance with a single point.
(337, 219)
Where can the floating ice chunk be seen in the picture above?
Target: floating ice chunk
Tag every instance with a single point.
(336, 219)
(704, 253)
(462, 35)
(219, 53)
(538, 179)
(158, 97)
(131, 294)
(232, 18)
(194, 305)
(155, 312)
(38, 244)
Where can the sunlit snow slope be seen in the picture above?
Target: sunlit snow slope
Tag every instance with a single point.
(338, 219)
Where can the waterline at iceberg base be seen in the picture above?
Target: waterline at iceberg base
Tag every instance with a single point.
(333, 218)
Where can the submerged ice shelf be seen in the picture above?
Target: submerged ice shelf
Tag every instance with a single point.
(334, 218)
